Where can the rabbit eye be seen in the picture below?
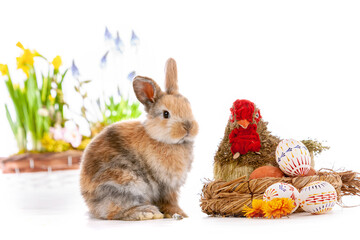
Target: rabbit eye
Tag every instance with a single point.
(166, 114)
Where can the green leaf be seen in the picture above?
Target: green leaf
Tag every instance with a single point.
(45, 91)
(13, 125)
(63, 76)
(18, 131)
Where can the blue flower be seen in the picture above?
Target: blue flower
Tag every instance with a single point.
(74, 70)
(98, 103)
(119, 92)
(118, 43)
(134, 41)
(103, 60)
(131, 75)
(107, 35)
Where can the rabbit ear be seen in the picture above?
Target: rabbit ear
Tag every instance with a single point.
(171, 82)
(146, 91)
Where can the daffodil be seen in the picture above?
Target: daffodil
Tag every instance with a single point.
(26, 60)
(56, 63)
(4, 69)
(20, 45)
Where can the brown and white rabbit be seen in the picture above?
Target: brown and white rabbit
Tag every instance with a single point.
(133, 170)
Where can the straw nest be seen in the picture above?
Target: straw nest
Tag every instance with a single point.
(221, 198)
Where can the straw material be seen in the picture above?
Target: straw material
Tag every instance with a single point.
(228, 168)
(229, 198)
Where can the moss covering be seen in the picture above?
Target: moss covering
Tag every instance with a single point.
(314, 146)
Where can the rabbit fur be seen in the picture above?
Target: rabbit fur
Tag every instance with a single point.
(133, 170)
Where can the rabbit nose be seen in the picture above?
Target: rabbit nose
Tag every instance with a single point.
(187, 125)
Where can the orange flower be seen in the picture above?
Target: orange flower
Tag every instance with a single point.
(256, 210)
(278, 207)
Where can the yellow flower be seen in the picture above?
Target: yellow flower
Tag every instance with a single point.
(278, 207)
(57, 63)
(51, 145)
(25, 61)
(83, 144)
(52, 100)
(61, 146)
(36, 53)
(48, 143)
(20, 45)
(4, 69)
(256, 210)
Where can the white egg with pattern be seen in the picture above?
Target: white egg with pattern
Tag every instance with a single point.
(282, 190)
(293, 158)
(318, 197)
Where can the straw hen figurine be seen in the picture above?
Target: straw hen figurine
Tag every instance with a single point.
(244, 138)
(246, 145)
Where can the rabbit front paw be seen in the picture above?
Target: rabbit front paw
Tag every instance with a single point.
(177, 216)
(174, 212)
(145, 212)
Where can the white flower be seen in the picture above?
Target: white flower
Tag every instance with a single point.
(57, 132)
(43, 112)
(72, 135)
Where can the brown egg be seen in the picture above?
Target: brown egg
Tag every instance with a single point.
(266, 171)
(311, 172)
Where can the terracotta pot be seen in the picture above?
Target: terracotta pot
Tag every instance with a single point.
(41, 162)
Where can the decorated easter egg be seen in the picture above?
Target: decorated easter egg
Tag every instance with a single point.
(318, 197)
(266, 171)
(282, 190)
(293, 158)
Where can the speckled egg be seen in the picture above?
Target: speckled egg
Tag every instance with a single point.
(282, 190)
(293, 158)
(318, 197)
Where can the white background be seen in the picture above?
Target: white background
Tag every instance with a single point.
(299, 61)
